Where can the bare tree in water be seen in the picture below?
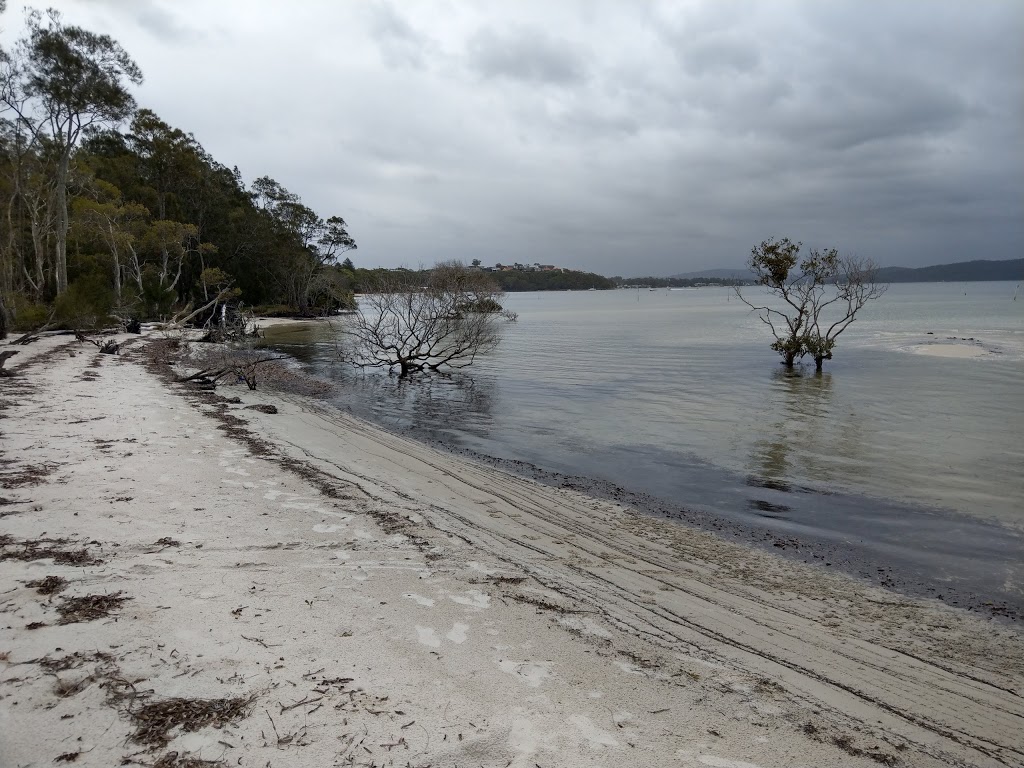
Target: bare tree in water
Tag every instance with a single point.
(414, 321)
(818, 296)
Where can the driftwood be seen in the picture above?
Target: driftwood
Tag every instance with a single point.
(6, 355)
(28, 338)
(207, 379)
(108, 347)
(183, 317)
(243, 368)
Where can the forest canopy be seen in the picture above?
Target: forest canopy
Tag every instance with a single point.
(108, 212)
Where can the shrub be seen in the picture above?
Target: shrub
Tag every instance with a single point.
(86, 303)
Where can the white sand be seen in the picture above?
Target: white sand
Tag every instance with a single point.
(432, 611)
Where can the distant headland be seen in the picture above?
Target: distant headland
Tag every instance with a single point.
(958, 272)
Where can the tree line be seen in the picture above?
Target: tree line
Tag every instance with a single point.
(111, 213)
(677, 282)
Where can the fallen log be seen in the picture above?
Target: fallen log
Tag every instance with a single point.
(108, 347)
(6, 355)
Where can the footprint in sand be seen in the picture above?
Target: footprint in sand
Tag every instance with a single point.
(724, 762)
(302, 505)
(324, 528)
(594, 736)
(428, 637)
(628, 668)
(531, 673)
(339, 515)
(474, 599)
(457, 634)
(426, 602)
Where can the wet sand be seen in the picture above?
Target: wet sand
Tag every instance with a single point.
(364, 599)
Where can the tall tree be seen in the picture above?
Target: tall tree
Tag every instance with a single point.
(60, 81)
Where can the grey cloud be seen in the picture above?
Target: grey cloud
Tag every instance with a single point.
(153, 16)
(849, 111)
(720, 56)
(400, 44)
(670, 137)
(162, 24)
(525, 53)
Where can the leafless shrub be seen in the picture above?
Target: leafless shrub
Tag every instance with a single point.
(405, 325)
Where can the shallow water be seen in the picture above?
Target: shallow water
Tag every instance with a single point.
(677, 394)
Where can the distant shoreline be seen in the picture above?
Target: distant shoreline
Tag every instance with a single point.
(977, 271)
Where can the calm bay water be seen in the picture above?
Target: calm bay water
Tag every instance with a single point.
(676, 394)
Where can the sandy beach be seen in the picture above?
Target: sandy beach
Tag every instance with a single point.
(187, 579)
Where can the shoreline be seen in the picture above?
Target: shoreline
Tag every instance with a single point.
(374, 600)
(901, 572)
(861, 535)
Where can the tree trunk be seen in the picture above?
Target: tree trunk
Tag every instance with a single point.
(817, 363)
(61, 261)
(117, 266)
(790, 358)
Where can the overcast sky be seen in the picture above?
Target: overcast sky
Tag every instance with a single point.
(628, 137)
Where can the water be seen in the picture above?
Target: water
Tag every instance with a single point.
(890, 454)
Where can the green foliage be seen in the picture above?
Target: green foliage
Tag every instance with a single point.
(26, 314)
(147, 211)
(157, 298)
(773, 260)
(555, 280)
(484, 304)
(676, 282)
(86, 304)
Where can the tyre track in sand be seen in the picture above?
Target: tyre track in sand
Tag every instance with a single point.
(904, 670)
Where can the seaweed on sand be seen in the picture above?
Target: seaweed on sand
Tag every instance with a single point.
(89, 607)
(154, 721)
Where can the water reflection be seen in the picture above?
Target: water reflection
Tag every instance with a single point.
(434, 406)
(442, 405)
(797, 416)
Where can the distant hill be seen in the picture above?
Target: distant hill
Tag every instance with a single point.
(961, 271)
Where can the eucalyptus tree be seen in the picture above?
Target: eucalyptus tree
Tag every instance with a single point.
(817, 297)
(309, 244)
(59, 82)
